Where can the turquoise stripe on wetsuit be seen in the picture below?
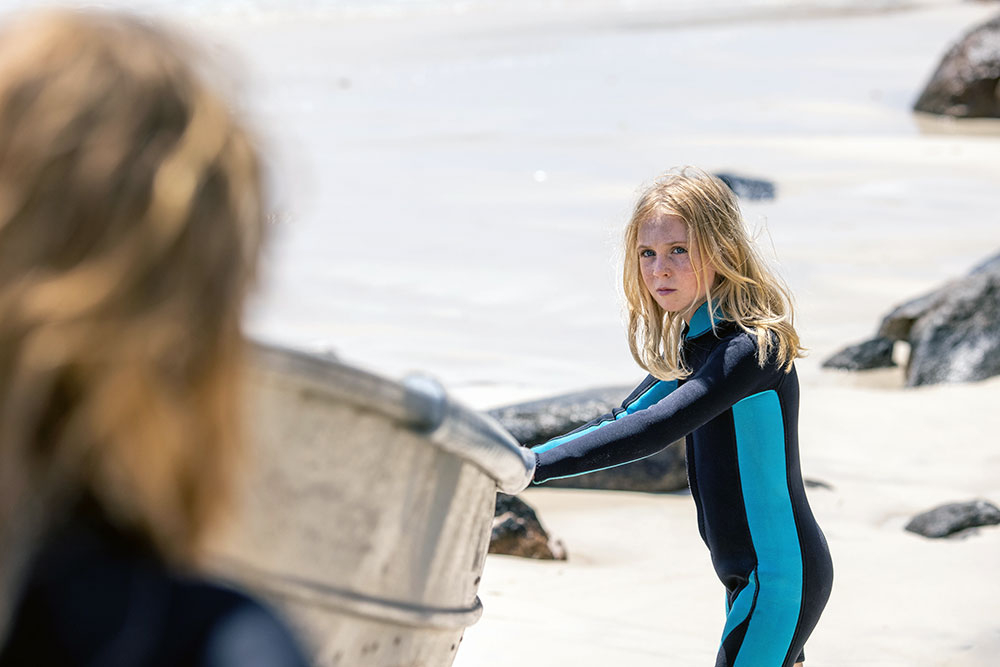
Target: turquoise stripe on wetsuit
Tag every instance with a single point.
(741, 424)
(646, 394)
(760, 445)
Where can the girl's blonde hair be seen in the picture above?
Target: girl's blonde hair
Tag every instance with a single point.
(745, 290)
(130, 223)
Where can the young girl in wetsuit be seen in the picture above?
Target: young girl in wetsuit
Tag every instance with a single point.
(713, 327)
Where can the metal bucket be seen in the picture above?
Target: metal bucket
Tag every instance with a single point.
(368, 514)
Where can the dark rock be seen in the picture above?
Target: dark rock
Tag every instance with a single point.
(537, 421)
(991, 265)
(954, 331)
(874, 353)
(747, 188)
(959, 339)
(952, 518)
(659, 473)
(898, 323)
(518, 532)
(818, 484)
(967, 81)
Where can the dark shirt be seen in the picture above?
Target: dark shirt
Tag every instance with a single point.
(97, 598)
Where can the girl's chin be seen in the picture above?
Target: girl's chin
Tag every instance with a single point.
(673, 307)
(684, 311)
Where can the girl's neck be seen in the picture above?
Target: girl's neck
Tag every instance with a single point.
(689, 313)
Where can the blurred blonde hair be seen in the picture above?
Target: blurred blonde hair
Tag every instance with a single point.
(130, 223)
(745, 289)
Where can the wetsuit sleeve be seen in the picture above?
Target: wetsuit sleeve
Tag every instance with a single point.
(730, 374)
(649, 391)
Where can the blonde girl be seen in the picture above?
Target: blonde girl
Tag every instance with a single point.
(130, 223)
(712, 325)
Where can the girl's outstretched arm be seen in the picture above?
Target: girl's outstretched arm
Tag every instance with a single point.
(730, 374)
(649, 392)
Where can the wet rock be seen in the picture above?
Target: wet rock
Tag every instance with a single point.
(953, 332)
(899, 322)
(537, 421)
(954, 517)
(748, 188)
(818, 484)
(874, 353)
(518, 532)
(659, 473)
(959, 340)
(991, 265)
(966, 84)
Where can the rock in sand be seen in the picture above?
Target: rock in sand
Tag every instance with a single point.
(953, 332)
(967, 82)
(518, 532)
(874, 353)
(954, 517)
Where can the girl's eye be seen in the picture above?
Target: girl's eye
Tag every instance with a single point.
(647, 253)
(679, 250)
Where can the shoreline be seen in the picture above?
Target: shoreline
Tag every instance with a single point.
(644, 14)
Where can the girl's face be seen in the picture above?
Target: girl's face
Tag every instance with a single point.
(671, 266)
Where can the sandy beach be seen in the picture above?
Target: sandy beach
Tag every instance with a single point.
(450, 180)
(464, 177)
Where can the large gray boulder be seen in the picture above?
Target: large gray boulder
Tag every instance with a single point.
(967, 82)
(537, 421)
(534, 422)
(953, 332)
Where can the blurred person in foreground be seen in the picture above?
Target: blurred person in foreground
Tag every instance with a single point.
(130, 223)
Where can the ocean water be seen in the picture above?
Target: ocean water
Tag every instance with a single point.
(450, 178)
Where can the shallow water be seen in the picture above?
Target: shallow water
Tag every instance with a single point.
(451, 178)
(468, 181)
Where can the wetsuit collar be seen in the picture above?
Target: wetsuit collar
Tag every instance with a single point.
(701, 321)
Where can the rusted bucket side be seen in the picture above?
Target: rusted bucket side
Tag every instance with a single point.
(368, 512)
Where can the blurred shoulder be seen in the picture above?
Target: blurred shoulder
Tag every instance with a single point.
(232, 628)
(93, 597)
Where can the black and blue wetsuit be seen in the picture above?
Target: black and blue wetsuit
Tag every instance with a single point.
(741, 423)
